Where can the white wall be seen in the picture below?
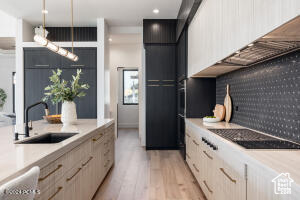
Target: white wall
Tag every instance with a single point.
(128, 56)
(7, 67)
(8, 25)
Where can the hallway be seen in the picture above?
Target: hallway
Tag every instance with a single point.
(142, 175)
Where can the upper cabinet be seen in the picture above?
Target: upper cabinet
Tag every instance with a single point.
(159, 31)
(220, 28)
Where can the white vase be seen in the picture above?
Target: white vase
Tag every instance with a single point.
(68, 113)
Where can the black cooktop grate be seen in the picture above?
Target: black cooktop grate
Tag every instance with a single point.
(253, 140)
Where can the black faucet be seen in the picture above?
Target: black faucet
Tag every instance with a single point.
(26, 115)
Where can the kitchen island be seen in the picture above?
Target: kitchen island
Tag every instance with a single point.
(71, 169)
(226, 170)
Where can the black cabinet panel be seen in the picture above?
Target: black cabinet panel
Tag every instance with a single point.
(161, 101)
(41, 58)
(86, 106)
(200, 97)
(160, 62)
(159, 30)
(161, 120)
(63, 34)
(37, 78)
(87, 58)
(181, 55)
(35, 82)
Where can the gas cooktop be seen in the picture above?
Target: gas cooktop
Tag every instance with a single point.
(253, 140)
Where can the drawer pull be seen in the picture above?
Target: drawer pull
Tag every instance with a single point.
(195, 168)
(43, 178)
(195, 143)
(84, 164)
(207, 187)
(227, 175)
(42, 65)
(68, 179)
(187, 155)
(77, 65)
(188, 135)
(57, 191)
(207, 155)
(94, 139)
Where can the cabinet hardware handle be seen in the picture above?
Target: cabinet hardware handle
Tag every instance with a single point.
(42, 65)
(43, 178)
(188, 135)
(57, 191)
(207, 187)
(195, 143)
(153, 85)
(94, 139)
(77, 65)
(187, 155)
(84, 164)
(208, 155)
(169, 85)
(227, 175)
(153, 80)
(168, 80)
(195, 168)
(68, 179)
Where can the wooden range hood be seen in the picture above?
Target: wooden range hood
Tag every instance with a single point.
(282, 40)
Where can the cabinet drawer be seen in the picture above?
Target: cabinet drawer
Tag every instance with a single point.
(54, 192)
(76, 155)
(51, 174)
(97, 139)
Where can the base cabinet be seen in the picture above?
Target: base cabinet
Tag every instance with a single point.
(78, 174)
(218, 180)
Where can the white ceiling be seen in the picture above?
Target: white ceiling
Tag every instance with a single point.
(117, 12)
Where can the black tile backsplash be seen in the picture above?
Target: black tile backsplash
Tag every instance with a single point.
(267, 96)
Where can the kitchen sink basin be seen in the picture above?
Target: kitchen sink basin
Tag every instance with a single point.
(48, 138)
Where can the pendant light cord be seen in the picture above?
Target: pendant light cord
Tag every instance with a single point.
(44, 17)
(72, 26)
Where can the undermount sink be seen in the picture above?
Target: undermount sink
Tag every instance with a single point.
(48, 138)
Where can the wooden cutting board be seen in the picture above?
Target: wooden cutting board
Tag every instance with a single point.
(219, 112)
(228, 105)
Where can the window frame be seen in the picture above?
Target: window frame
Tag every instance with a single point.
(123, 89)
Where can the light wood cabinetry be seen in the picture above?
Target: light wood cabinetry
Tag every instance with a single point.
(220, 28)
(77, 174)
(218, 179)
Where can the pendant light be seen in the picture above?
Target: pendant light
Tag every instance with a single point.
(43, 41)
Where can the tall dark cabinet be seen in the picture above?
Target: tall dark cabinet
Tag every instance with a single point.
(161, 87)
(39, 63)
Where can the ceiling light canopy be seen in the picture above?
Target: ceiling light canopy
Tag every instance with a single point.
(43, 41)
(156, 11)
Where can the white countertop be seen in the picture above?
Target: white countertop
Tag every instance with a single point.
(278, 160)
(18, 158)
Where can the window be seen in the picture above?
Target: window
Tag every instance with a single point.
(130, 87)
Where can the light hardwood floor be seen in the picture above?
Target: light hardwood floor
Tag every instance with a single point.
(147, 175)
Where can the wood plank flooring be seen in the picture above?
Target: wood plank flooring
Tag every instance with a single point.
(147, 175)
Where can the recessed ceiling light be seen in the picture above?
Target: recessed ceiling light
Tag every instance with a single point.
(45, 11)
(109, 39)
(156, 11)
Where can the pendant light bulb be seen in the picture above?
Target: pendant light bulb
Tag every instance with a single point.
(62, 52)
(76, 58)
(52, 46)
(41, 40)
(71, 56)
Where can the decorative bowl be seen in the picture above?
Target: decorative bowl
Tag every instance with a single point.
(53, 119)
(211, 120)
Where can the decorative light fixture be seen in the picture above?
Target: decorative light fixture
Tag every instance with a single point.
(109, 39)
(156, 11)
(42, 40)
